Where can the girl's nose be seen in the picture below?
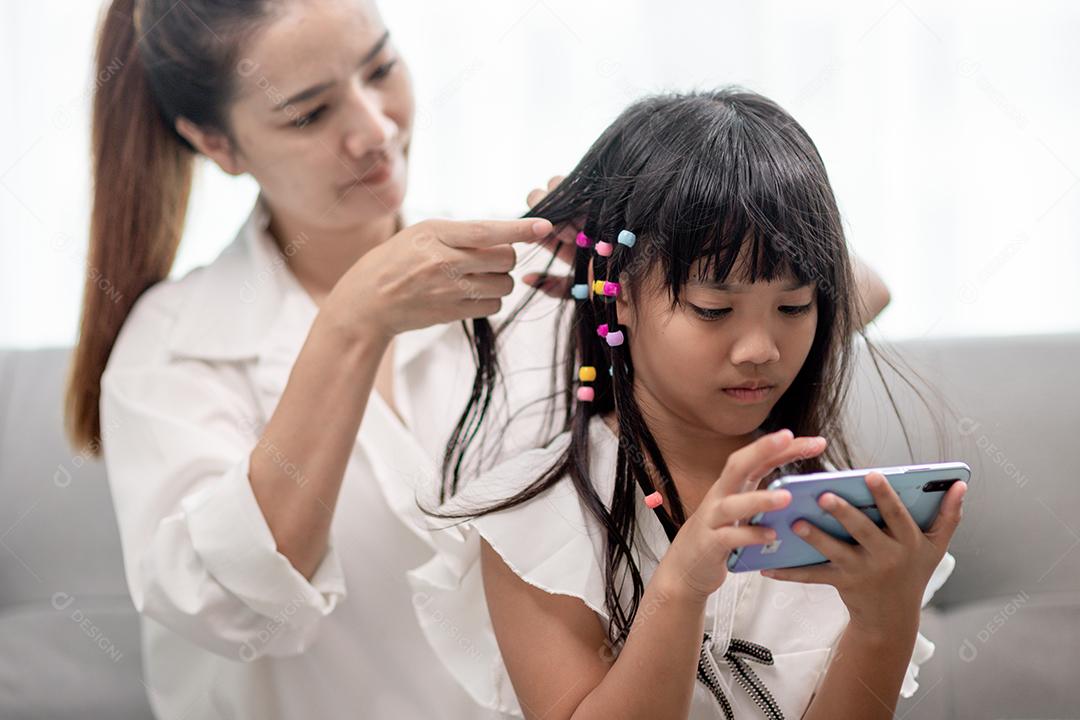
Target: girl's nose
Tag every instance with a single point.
(755, 347)
(369, 129)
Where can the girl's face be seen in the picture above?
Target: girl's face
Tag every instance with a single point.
(323, 113)
(695, 364)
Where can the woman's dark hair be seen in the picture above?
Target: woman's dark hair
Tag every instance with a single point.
(713, 183)
(156, 61)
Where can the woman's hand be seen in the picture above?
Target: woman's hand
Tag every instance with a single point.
(696, 564)
(881, 580)
(434, 272)
(561, 244)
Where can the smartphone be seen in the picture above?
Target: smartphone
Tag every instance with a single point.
(921, 488)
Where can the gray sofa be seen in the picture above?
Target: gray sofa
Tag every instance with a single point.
(1007, 625)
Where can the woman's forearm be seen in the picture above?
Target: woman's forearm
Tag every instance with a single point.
(298, 464)
(654, 674)
(865, 675)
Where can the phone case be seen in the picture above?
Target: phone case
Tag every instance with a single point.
(789, 550)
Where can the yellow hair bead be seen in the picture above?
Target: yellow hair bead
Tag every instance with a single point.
(587, 373)
(598, 287)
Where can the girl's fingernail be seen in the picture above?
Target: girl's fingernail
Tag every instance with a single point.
(828, 501)
(801, 529)
(782, 437)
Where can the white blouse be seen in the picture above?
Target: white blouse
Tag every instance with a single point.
(553, 543)
(229, 628)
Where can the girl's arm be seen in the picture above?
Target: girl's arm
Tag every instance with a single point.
(864, 677)
(556, 650)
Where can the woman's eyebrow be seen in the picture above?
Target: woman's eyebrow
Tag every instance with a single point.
(323, 86)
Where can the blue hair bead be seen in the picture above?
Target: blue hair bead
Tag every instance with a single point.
(627, 238)
(580, 292)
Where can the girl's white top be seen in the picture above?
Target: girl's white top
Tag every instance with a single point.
(552, 542)
(229, 628)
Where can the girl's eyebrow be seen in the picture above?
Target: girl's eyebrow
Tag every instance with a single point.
(736, 288)
(320, 87)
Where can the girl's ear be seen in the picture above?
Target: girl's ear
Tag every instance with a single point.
(624, 309)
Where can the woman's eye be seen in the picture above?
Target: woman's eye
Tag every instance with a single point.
(709, 313)
(305, 120)
(382, 71)
(796, 309)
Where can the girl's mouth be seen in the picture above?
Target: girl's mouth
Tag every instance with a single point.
(749, 395)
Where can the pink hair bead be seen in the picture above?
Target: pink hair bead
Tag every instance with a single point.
(602, 330)
(604, 249)
(615, 338)
(583, 240)
(585, 394)
(654, 500)
(611, 289)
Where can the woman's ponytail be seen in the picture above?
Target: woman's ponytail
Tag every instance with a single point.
(156, 61)
(141, 183)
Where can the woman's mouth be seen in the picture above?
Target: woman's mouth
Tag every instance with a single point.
(749, 394)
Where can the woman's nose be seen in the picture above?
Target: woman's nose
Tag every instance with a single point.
(756, 347)
(368, 129)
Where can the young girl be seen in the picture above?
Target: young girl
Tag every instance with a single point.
(710, 344)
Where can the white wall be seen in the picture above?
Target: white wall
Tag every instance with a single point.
(949, 130)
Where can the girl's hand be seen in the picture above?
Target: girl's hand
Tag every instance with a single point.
(881, 580)
(434, 272)
(696, 564)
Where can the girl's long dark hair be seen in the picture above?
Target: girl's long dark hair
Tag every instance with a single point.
(712, 183)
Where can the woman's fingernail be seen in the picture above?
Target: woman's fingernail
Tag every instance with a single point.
(541, 228)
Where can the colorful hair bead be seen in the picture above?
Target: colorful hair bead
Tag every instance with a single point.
(583, 240)
(654, 500)
(615, 338)
(587, 373)
(627, 238)
(604, 249)
(580, 292)
(602, 330)
(598, 287)
(585, 394)
(610, 289)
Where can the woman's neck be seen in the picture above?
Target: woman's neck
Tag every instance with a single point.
(318, 256)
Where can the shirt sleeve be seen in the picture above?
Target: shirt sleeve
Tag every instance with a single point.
(198, 554)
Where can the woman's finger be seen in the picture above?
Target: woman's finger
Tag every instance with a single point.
(499, 259)
(897, 518)
(948, 519)
(855, 521)
(485, 286)
(556, 286)
(488, 233)
(834, 549)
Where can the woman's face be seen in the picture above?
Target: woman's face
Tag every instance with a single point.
(323, 113)
(693, 362)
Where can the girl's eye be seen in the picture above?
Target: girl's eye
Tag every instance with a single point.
(796, 309)
(305, 120)
(709, 313)
(382, 71)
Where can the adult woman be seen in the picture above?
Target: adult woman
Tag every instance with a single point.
(254, 471)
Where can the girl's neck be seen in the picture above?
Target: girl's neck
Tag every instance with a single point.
(318, 256)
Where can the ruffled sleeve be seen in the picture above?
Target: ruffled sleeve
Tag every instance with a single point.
(549, 542)
(924, 649)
